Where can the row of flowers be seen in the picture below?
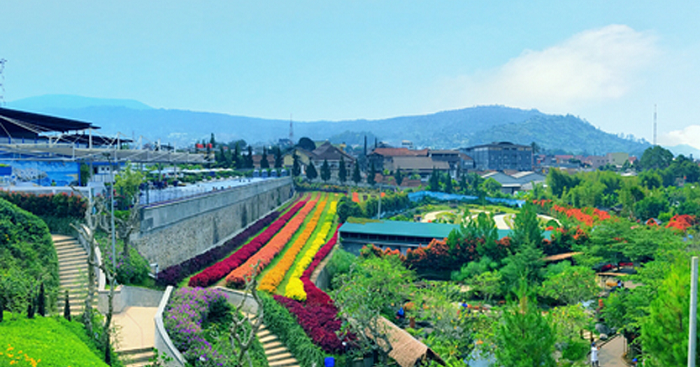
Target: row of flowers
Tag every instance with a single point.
(219, 270)
(176, 273)
(274, 277)
(257, 263)
(587, 216)
(318, 316)
(355, 197)
(187, 311)
(295, 287)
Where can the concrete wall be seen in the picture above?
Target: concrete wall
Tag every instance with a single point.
(126, 296)
(173, 232)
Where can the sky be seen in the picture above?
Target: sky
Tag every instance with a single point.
(609, 62)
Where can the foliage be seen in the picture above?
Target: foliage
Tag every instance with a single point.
(525, 265)
(176, 273)
(27, 257)
(525, 338)
(126, 184)
(311, 173)
(35, 342)
(526, 229)
(340, 263)
(296, 165)
(50, 205)
(371, 173)
(306, 143)
(325, 171)
(342, 171)
(569, 284)
(398, 176)
(257, 262)
(656, 157)
(356, 178)
(280, 322)
(219, 270)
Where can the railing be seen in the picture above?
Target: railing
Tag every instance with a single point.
(156, 196)
(162, 340)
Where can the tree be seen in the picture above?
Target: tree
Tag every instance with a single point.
(559, 182)
(356, 178)
(296, 166)
(370, 175)
(651, 179)
(237, 160)
(656, 157)
(342, 170)
(570, 284)
(241, 336)
(491, 186)
(278, 157)
(448, 183)
(249, 158)
(373, 287)
(66, 308)
(434, 181)
(526, 265)
(306, 143)
(665, 329)
(41, 301)
(85, 174)
(487, 284)
(398, 176)
(311, 173)
(325, 171)
(525, 338)
(127, 184)
(263, 160)
(526, 227)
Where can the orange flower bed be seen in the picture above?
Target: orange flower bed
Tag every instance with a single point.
(237, 277)
(274, 277)
(356, 197)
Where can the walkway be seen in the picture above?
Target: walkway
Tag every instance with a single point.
(611, 353)
(136, 333)
(72, 273)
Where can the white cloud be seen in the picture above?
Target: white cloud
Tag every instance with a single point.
(690, 135)
(593, 66)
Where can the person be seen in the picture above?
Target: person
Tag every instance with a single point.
(594, 356)
(634, 362)
(400, 314)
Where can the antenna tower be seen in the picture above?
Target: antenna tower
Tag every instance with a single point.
(2, 82)
(654, 124)
(291, 129)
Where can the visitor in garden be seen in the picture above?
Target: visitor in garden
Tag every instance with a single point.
(594, 356)
(400, 314)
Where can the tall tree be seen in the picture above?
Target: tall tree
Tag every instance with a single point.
(237, 156)
(263, 160)
(656, 157)
(306, 143)
(278, 157)
(356, 178)
(342, 170)
(448, 183)
(325, 171)
(311, 173)
(526, 227)
(434, 181)
(249, 158)
(525, 338)
(296, 165)
(398, 176)
(370, 175)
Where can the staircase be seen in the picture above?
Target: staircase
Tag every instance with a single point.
(72, 272)
(135, 357)
(276, 353)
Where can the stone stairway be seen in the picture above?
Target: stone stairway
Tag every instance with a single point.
(72, 272)
(135, 357)
(276, 353)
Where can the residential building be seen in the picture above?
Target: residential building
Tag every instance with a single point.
(500, 156)
(324, 152)
(520, 181)
(457, 160)
(617, 159)
(383, 157)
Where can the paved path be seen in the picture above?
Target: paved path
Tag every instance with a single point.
(137, 327)
(430, 217)
(501, 221)
(611, 353)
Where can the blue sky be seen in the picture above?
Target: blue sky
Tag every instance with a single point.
(606, 61)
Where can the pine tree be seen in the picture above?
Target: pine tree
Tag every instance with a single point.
(2, 309)
(342, 171)
(41, 302)
(296, 166)
(249, 158)
(525, 338)
(526, 228)
(448, 183)
(237, 156)
(311, 173)
(66, 308)
(30, 307)
(263, 160)
(434, 181)
(356, 173)
(325, 171)
(278, 157)
(370, 175)
(398, 176)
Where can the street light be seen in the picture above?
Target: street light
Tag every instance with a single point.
(111, 196)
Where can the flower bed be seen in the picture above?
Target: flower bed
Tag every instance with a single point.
(681, 222)
(262, 258)
(217, 271)
(586, 216)
(189, 308)
(274, 277)
(355, 197)
(176, 273)
(295, 287)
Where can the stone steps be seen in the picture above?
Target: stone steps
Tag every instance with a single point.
(276, 353)
(72, 273)
(136, 357)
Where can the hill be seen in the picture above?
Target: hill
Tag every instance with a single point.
(49, 101)
(447, 129)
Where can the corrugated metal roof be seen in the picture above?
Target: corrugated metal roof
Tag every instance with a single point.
(412, 229)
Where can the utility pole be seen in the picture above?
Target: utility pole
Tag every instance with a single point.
(693, 312)
(114, 237)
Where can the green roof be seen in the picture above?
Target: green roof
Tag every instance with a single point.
(412, 229)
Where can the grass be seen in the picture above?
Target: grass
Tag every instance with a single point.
(52, 341)
(296, 235)
(283, 285)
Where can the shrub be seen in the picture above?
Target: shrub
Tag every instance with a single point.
(219, 270)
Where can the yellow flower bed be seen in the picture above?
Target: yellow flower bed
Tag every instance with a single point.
(274, 277)
(295, 287)
(10, 357)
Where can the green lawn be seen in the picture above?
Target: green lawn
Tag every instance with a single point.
(52, 341)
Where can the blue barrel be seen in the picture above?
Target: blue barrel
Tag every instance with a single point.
(329, 362)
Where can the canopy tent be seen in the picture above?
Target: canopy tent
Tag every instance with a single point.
(20, 124)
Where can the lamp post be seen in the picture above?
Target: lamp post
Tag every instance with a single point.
(111, 197)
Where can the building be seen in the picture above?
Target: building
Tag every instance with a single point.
(324, 152)
(423, 166)
(383, 158)
(501, 156)
(457, 160)
(520, 181)
(617, 159)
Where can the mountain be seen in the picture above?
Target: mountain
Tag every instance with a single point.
(684, 149)
(447, 129)
(50, 101)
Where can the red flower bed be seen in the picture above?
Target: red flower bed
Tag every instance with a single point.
(219, 270)
(587, 216)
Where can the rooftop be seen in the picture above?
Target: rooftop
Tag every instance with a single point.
(411, 229)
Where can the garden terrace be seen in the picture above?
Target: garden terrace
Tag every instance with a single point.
(398, 235)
